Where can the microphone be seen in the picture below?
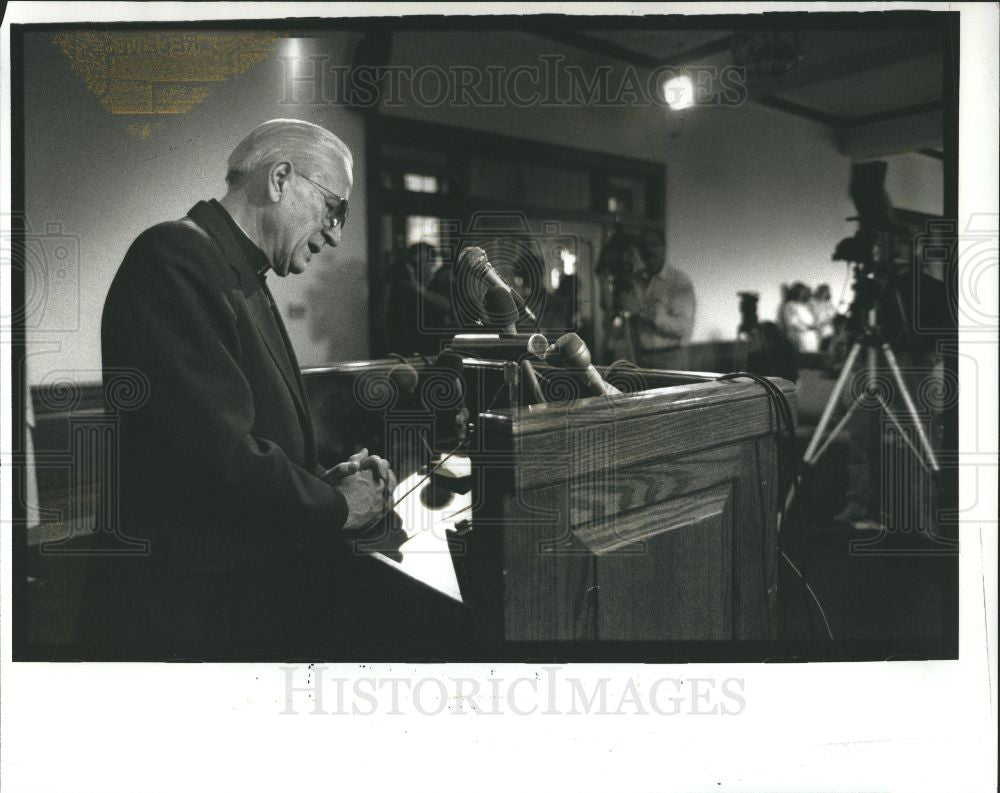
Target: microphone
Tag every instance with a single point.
(571, 353)
(507, 347)
(500, 310)
(453, 420)
(479, 265)
(451, 360)
(404, 377)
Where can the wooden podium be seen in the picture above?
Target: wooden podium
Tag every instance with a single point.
(645, 517)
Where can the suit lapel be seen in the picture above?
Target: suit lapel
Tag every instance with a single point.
(292, 372)
(266, 318)
(262, 308)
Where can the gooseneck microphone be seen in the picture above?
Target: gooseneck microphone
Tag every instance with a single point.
(570, 352)
(478, 264)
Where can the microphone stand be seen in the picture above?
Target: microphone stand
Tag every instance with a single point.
(626, 318)
(623, 319)
(512, 381)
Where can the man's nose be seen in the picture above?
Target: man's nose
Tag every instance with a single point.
(332, 236)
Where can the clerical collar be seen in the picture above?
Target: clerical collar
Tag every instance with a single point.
(254, 255)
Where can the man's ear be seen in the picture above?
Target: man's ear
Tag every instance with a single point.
(277, 180)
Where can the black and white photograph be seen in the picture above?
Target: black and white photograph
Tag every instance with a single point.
(475, 359)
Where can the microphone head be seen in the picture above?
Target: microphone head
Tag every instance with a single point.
(404, 377)
(474, 259)
(570, 351)
(537, 345)
(499, 308)
(450, 360)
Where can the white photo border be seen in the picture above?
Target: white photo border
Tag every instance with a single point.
(829, 726)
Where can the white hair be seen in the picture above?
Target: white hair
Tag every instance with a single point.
(309, 146)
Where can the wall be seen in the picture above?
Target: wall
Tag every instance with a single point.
(915, 182)
(103, 186)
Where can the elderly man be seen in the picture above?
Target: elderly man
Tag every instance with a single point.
(218, 467)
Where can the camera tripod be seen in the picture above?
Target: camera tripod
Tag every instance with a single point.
(871, 341)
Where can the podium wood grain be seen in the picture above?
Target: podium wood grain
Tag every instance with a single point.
(646, 517)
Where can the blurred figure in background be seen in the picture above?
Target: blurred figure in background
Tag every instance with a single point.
(616, 264)
(651, 304)
(824, 313)
(408, 326)
(839, 344)
(798, 320)
(438, 311)
(561, 309)
(762, 347)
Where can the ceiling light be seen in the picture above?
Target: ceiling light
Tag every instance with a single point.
(679, 92)
(293, 48)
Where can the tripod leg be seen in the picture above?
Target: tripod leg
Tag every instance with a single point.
(872, 379)
(899, 429)
(836, 430)
(810, 456)
(910, 407)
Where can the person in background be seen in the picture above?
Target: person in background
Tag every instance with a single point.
(409, 329)
(839, 345)
(824, 313)
(798, 320)
(440, 322)
(652, 304)
(561, 310)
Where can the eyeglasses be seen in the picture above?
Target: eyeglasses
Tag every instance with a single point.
(335, 216)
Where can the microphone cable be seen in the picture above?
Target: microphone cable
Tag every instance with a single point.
(783, 411)
(423, 480)
(782, 406)
(388, 510)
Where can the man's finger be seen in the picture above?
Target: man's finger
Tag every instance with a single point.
(375, 464)
(382, 472)
(358, 456)
(341, 470)
(385, 471)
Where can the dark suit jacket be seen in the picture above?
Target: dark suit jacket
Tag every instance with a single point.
(218, 468)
